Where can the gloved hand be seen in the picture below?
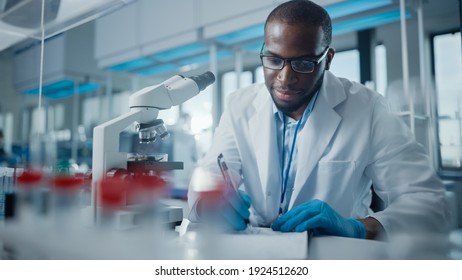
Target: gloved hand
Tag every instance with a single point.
(230, 209)
(318, 216)
(235, 209)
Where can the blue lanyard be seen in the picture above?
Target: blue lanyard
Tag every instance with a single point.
(286, 177)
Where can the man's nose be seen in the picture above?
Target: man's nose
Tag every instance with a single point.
(286, 74)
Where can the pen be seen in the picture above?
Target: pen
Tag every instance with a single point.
(224, 171)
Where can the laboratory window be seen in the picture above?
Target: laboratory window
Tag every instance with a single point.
(120, 103)
(59, 116)
(381, 69)
(92, 109)
(196, 115)
(346, 64)
(231, 83)
(6, 125)
(448, 84)
(259, 76)
(38, 120)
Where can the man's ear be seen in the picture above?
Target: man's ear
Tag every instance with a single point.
(330, 56)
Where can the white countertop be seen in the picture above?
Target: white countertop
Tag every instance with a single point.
(39, 239)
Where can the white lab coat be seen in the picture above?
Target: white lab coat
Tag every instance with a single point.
(350, 140)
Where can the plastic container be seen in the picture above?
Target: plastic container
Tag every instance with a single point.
(32, 194)
(66, 199)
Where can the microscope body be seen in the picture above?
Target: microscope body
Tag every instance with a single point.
(144, 109)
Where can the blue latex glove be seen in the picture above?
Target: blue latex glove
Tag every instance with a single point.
(318, 216)
(235, 209)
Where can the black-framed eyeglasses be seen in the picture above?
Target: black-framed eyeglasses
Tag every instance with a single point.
(299, 65)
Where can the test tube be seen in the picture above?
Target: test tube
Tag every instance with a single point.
(9, 193)
(2, 194)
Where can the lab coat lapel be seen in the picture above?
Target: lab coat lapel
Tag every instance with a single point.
(264, 140)
(316, 135)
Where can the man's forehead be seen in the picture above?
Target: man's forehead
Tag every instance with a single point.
(298, 38)
(297, 30)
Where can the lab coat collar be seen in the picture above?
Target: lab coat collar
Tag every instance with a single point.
(263, 135)
(314, 138)
(332, 90)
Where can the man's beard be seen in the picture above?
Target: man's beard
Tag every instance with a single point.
(289, 107)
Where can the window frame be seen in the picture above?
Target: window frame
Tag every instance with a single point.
(445, 172)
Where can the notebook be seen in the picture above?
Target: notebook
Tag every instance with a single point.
(252, 243)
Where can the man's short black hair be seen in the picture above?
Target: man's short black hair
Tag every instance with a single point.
(305, 12)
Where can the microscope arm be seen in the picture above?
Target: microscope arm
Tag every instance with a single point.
(106, 147)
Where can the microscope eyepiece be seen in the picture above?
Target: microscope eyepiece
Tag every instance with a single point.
(204, 80)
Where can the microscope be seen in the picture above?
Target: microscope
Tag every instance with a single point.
(109, 162)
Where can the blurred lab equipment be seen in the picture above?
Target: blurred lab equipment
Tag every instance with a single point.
(6, 158)
(108, 161)
(2, 149)
(7, 185)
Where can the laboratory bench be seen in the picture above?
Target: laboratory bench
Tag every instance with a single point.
(39, 239)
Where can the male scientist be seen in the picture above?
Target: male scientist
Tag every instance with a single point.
(306, 146)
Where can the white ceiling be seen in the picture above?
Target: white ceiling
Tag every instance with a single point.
(75, 12)
(71, 13)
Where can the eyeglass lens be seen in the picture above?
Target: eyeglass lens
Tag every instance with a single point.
(298, 65)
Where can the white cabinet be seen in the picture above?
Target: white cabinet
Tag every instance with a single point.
(66, 56)
(156, 26)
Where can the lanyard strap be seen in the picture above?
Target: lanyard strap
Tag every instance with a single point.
(286, 177)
